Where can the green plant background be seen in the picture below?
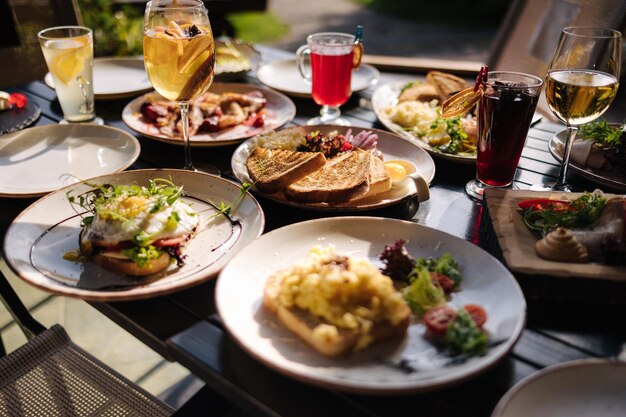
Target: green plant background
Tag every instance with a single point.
(118, 28)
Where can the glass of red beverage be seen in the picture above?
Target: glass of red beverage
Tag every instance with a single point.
(333, 56)
(505, 111)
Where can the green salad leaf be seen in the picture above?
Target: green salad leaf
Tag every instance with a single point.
(581, 212)
(422, 294)
(604, 135)
(464, 336)
(445, 265)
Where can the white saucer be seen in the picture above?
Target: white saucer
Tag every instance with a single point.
(42, 159)
(116, 77)
(285, 76)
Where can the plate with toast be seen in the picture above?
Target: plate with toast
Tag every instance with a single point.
(288, 340)
(412, 111)
(334, 168)
(225, 115)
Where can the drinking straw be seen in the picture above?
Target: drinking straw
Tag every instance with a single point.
(358, 36)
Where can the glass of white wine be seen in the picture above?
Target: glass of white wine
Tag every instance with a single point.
(179, 54)
(581, 83)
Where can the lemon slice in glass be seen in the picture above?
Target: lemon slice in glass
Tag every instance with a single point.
(70, 59)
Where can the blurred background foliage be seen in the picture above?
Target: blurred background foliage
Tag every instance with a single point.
(118, 28)
(257, 27)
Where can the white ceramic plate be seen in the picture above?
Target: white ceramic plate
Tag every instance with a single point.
(612, 179)
(392, 147)
(116, 77)
(285, 76)
(38, 238)
(387, 96)
(279, 110)
(239, 298)
(42, 159)
(231, 71)
(582, 388)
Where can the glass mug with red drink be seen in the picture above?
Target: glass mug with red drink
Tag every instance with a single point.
(505, 110)
(333, 56)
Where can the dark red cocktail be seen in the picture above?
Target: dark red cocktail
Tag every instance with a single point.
(331, 78)
(504, 115)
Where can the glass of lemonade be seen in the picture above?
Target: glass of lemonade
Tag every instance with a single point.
(333, 56)
(179, 55)
(68, 51)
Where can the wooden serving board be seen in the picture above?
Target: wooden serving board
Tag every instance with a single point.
(517, 243)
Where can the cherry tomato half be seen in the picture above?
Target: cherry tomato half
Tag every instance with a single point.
(438, 319)
(443, 281)
(174, 241)
(477, 313)
(543, 203)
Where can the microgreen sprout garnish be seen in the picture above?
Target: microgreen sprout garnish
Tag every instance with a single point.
(122, 203)
(227, 209)
(579, 212)
(603, 134)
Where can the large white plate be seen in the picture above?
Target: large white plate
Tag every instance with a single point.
(487, 282)
(392, 147)
(279, 110)
(41, 159)
(613, 179)
(387, 96)
(116, 77)
(582, 388)
(285, 76)
(38, 238)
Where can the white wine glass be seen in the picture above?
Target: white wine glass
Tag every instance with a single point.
(581, 83)
(179, 54)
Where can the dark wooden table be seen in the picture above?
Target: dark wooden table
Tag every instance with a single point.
(184, 326)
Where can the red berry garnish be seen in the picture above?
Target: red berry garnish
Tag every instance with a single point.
(18, 100)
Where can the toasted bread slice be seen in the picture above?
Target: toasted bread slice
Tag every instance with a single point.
(419, 92)
(341, 179)
(114, 260)
(303, 324)
(273, 170)
(445, 84)
(380, 181)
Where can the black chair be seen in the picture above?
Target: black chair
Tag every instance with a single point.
(51, 376)
(21, 59)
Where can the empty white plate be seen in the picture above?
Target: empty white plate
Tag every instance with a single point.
(116, 77)
(42, 159)
(285, 76)
(582, 388)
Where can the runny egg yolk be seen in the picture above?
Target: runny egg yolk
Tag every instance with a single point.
(395, 170)
(133, 205)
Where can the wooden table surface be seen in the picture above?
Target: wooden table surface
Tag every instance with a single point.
(184, 326)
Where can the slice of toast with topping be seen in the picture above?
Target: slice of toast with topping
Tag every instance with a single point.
(380, 181)
(273, 170)
(342, 178)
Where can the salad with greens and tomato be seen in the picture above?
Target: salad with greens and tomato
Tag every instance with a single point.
(427, 284)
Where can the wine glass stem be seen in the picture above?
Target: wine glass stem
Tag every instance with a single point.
(561, 180)
(329, 114)
(184, 118)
